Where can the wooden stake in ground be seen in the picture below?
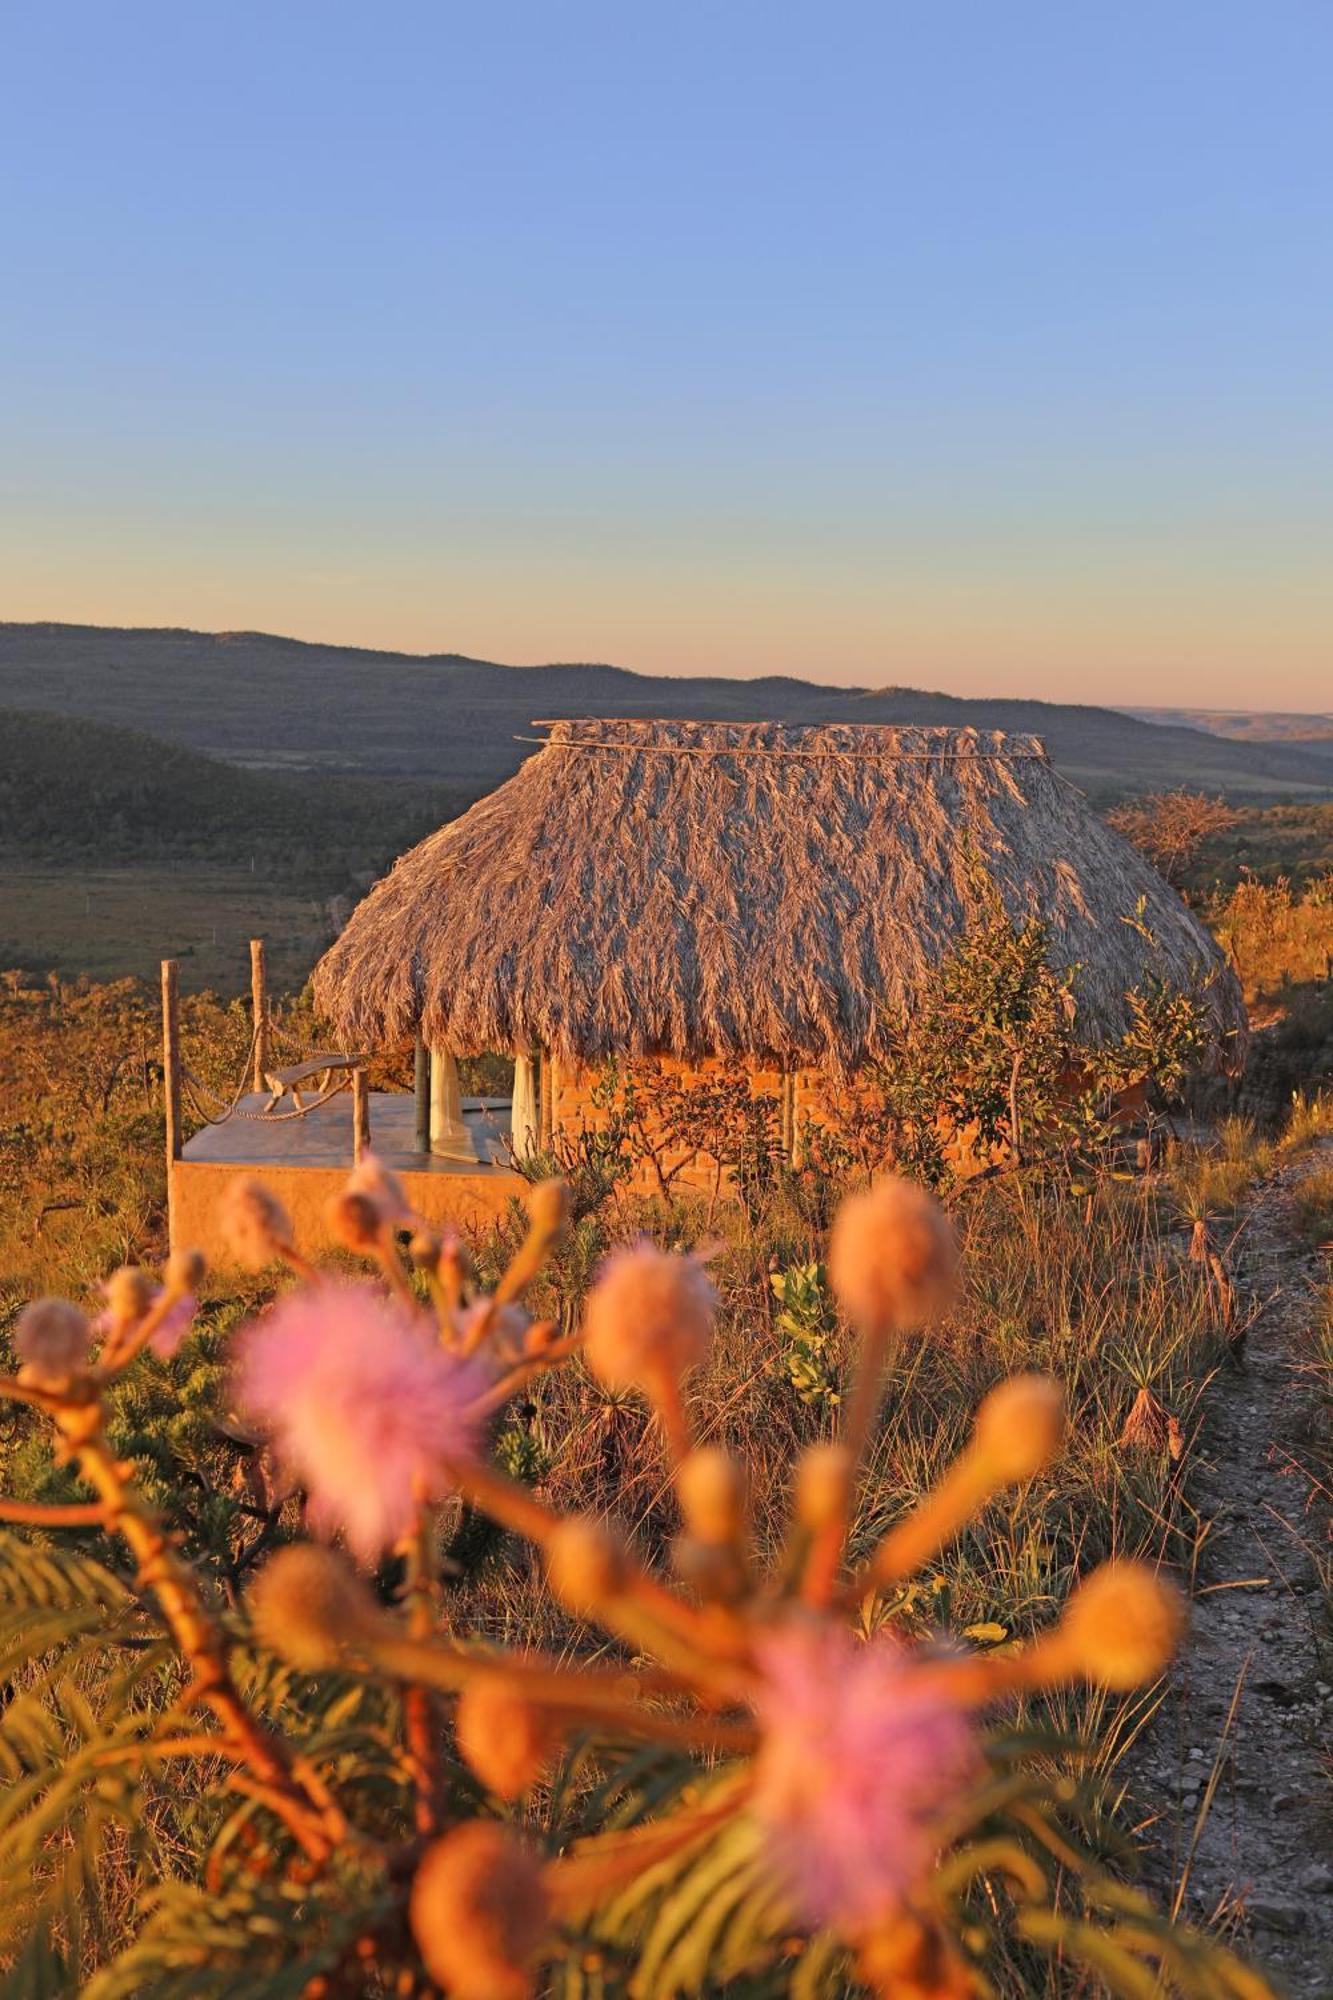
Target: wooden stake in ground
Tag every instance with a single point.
(171, 1078)
(259, 1010)
(360, 1115)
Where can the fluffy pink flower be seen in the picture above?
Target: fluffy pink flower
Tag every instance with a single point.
(856, 1766)
(361, 1403)
(508, 1329)
(176, 1324)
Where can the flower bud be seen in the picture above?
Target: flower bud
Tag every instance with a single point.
(52, 1340)
(355, 1221)
(425, 1249)
(184, 1270)
(128, 1293)
(909, 1958)
(506, 1740)
(383, 1189)
(1122, 1625)
(548, 1208)
(648, 1317)
(1020, 1427)
(585, 1564)
(715, 1570)
(824, 1475)
(479, 1913)
(307, 1605)
(254, 1225)
(893, 1258)
(710, 1486)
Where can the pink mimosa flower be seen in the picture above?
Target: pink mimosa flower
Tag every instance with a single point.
(175, 1325)
(856, 1767)
(362, 1405)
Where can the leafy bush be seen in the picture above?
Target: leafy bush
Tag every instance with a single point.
(991, 1063)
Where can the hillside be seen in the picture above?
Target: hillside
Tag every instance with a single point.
(1245, 725)
(74, 790)
(117, 849)
(273, 703)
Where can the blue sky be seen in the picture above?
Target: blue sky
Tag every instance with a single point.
(977, 346)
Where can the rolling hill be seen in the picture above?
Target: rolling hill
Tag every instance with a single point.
(1250, 725)
(77, 792)
(283, 704)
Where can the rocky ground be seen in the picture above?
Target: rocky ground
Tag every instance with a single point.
(1242, 1746)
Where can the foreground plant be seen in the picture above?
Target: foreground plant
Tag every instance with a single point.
(737, 1789)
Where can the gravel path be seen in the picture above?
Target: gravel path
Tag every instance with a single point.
(1241, 1746)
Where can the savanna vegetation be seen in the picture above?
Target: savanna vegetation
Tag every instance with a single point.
(238, 1768)
(532, 1741)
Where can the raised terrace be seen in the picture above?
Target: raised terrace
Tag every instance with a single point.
(306, 1160)
(452, 1157)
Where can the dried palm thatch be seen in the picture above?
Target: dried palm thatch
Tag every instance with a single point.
(708, 888)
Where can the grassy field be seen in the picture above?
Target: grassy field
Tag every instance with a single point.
(113, 923)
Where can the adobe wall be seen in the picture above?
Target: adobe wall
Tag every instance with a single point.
(469, 1201)
(569, 1106)
(804, 1097)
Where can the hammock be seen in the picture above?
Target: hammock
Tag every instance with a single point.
(331, 1066)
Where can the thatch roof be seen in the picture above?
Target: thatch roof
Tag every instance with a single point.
(711, 887)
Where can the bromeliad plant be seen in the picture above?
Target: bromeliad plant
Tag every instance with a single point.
(751, 1784)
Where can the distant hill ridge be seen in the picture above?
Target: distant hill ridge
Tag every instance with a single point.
(265, 701)
(1251, 725)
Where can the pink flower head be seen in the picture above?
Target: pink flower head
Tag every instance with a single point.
(507, 1338)
(362, 1404)
(165, 1338)
(856, 1766)
(176, 1323)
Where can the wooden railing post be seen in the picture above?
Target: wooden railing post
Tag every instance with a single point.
(360, 1115)
(259, 1011)
(171, 1078)
(421, 1087)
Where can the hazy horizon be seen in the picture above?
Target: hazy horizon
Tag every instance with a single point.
(982, 352)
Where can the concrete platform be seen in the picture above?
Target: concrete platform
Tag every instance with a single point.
(306, 1160)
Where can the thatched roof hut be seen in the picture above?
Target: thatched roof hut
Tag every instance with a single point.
(715, 888)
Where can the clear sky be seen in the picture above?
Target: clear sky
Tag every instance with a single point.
(983, 346)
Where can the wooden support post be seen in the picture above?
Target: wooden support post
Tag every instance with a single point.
(546, 1098)
(449, 1136)
(259, 1011)
(171, 1079)
(524, 1118)
(421, 1088)
(360, 1115)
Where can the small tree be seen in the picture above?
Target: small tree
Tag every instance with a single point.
(710, 1117)
(991, 1054)
(1171, 827)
